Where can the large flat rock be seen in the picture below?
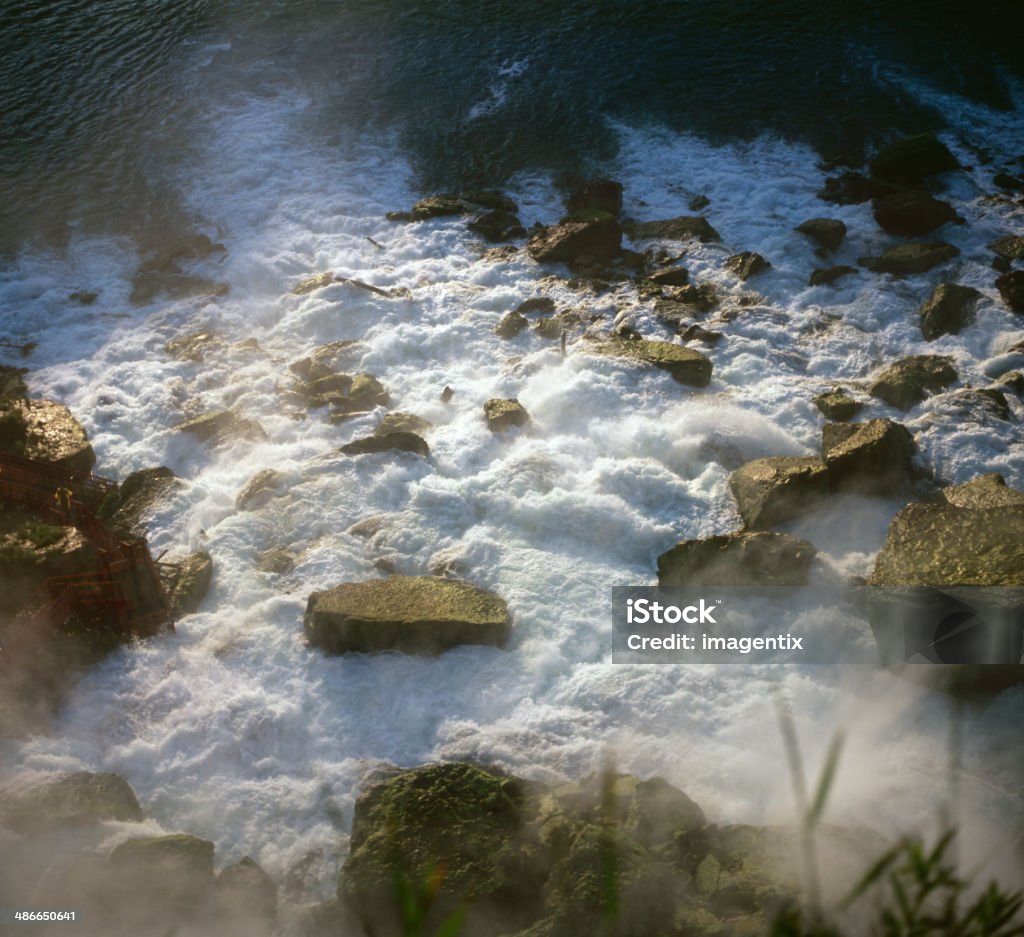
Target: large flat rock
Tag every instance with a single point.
(684, 364)
(413, 614)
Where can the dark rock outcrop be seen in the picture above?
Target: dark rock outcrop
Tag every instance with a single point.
(12, 384)
(603, 195)
(771, 491)
(412, 614)
(247, 898)
(542, 304)
(1011, 288)
(599, 239)
(397, 441)
(1010, 247)
(669, 276)
(838, 405)
(868, 458)
(438, 206)
(828, 275)
(191, 582)
(948, 310)
(828, 232)
(504, 413)
(746, 264)
(683, 228)
(911, 213)
(912, 159)
(909, 380)
(908, 259)
(511, 325)
(174, 873)
(496, 226)
(75, 799)
(139, 494)
(755, 558)
(684, 364)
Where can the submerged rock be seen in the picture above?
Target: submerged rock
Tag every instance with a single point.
(264, 485)
(412, 614)
(684, 364)
(948, 310)
(600, 239)
(912, 159)
(907, 259)
(911, 213)
(874, 458)
(683, 228)
(73, 799)
(190, 583)
(746, 264)
(505, 413)
(757, 558)
(828, 232)
(316, 281)
(596, 195)
(838, 405)
(221, 426)
(399, 422)
(401, 441)
(192, 347)
(828, 275)
(1011, 288)
(771, 491)
(511, 325)
(910, 380)
(498, 226)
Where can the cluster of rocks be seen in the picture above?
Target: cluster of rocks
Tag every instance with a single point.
(144, 879)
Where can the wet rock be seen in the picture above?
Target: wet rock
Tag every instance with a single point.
(412, 614)
(83, 297)
(657, 813)
(173, 871)
(826, 276)
(221, 426)
(315, 282)
(873, 458)
(985, 491)
(910, 160)
(1005, 181)
(190, 583)
(907, 259)
(949, 309)
(828, 232)
(1011, 288)
(277, 560)
(771, 491)
(683, 302)
(192, 347)
(345, 393)
(542, 304)
(600, 239)
(1014, 380)
(140, 493)
(74, 799)
(438, 206)
(695, 333)
(909, 380)
(498, 226)
(979, 402)
(247, 897)
(496, 201)
(669, 276)
(45, 430)
(852, 188)
(549, 327)
(264, 485)
(399, 422)
(402, 441)
(684, 364)
(757, 558)
(683, 228)
(838, 405)
(596, 195)
(511, 325)
(746, 264)
(1010, 247)
(912, 213)
(502, 414)
(446, 394)
(698, 203)
(12, 384)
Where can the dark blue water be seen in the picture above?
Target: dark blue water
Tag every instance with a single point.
(101, 100)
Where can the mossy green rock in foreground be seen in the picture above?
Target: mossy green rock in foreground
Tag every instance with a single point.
(413, 614)
(684, 364)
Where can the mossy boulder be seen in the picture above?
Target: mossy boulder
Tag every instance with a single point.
(909, 380)
(600, 239)
(985, 491)
(190, 583)
(684, 364)
(948, 310)
(910, 160)
(773, 490)
(874, 458)
(682, 228)
(828, 232)
(412, 614)
(908, 259)
(45, 430)
(76, 799)
(755, 558)
(505, 413)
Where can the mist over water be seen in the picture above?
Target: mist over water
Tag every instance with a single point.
(286, 133)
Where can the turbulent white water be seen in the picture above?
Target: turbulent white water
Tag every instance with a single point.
(234, 729)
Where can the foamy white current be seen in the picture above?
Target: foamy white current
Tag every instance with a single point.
(234, 729)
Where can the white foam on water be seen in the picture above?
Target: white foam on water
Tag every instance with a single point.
(236, 730)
